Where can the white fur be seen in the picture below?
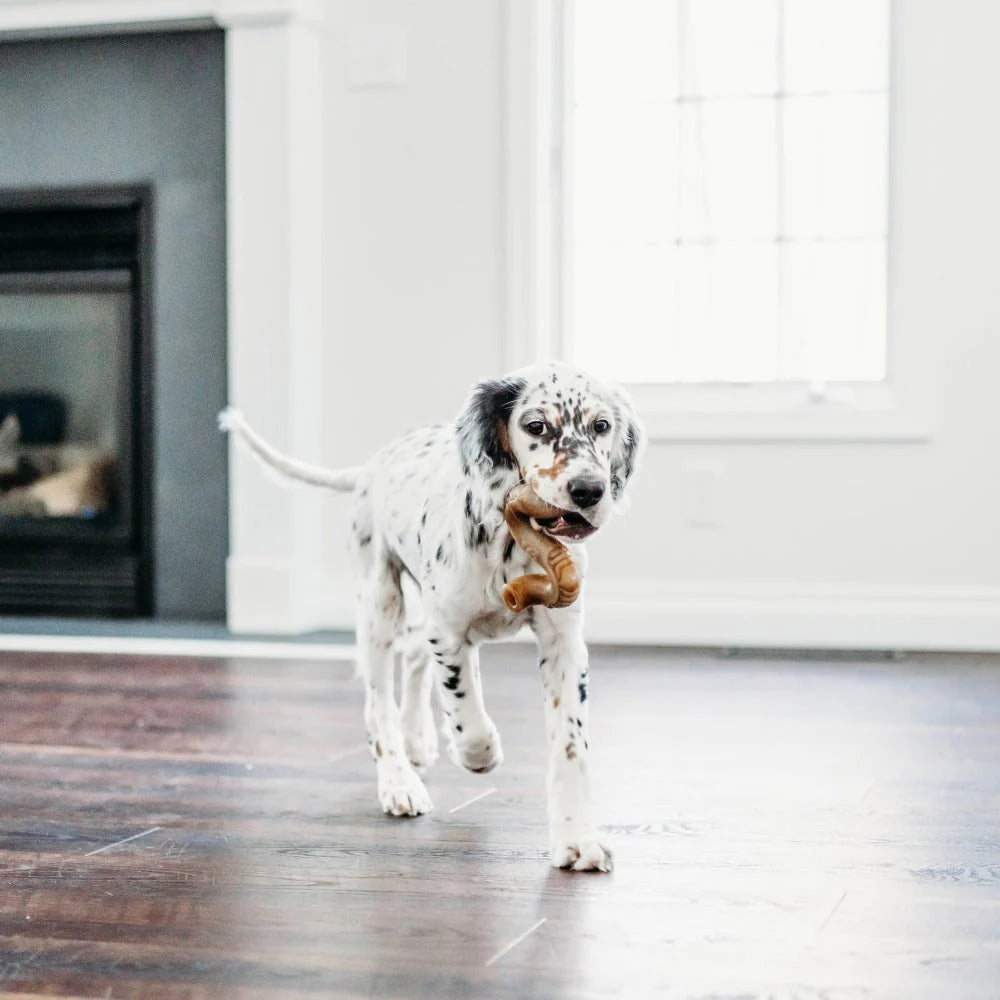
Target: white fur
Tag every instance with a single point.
(430, 544)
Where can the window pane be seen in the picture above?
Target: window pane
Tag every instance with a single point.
(728, 170)
(624, 310)
(835, 165)
(624, 48)
(836, 45)
(728, 313)
(727, 174)
(729, 47)
(625, 180)
(833, 323)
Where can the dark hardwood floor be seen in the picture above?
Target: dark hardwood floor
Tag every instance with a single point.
(208, 828)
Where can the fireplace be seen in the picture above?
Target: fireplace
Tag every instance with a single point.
(75, 393)
(217, 108)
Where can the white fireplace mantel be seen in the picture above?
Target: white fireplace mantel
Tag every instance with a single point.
(274, 267)
(34, 18)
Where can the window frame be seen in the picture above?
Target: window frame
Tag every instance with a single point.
(537, 185)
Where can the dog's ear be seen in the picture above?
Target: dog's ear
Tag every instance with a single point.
(628, 442)
(482, 425)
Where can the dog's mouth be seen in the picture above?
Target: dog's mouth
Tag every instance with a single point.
(568, 524)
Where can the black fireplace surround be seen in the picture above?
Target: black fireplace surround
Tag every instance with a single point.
(76, 402)
(116, 145)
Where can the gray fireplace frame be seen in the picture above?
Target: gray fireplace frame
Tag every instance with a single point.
(164, 132)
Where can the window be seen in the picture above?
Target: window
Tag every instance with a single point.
(723, 189)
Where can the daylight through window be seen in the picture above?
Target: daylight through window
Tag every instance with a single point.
(725, 180)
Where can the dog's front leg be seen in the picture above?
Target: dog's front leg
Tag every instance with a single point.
(471, 737)
(574, 841)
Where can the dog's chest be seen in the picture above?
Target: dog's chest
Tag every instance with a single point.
(492, 618)
(475, 591)
(496, 625)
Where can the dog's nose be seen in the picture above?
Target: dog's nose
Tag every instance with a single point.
(586, 492)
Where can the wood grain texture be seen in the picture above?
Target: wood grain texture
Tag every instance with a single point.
(209, 828)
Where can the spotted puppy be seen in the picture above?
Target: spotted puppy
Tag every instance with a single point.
(432, 549)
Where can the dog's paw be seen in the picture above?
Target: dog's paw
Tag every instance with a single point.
(479, 752)
(403, 795)
(421, 742)
(582, 853)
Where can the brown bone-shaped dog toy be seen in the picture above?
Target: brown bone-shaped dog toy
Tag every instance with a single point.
(561, 586)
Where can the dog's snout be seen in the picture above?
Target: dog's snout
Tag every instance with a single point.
(586, 492)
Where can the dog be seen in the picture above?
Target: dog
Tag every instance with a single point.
(431, 548)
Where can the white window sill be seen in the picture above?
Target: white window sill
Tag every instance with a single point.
(779, 413)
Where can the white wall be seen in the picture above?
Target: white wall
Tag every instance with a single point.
(872, 544)
(414, 289)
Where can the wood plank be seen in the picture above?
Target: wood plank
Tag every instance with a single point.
(178, 828)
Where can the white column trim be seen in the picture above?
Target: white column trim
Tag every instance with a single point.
(529, 159)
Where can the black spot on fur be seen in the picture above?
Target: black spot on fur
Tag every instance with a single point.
(583, 691)
(365, 540)
(458, 728)
(452, 683)
(481, 536)
(440, 553)
(508, 551)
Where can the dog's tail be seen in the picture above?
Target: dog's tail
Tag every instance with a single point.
(233, 422)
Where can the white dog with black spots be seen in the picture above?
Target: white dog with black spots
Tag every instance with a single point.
(433, 552)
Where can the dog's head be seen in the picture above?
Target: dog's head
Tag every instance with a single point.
(573, 440)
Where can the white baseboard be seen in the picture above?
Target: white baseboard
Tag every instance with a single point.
(792, 615)
(117, 645)
(771, 615)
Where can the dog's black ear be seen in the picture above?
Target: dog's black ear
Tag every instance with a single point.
(482, 425)
(628, 443)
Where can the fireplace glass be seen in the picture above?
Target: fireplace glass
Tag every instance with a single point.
(64, 340)
(75, 509)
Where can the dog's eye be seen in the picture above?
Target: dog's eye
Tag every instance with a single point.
(536, 428)
(602, 426)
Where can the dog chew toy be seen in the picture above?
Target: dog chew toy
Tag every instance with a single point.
(561, 586)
